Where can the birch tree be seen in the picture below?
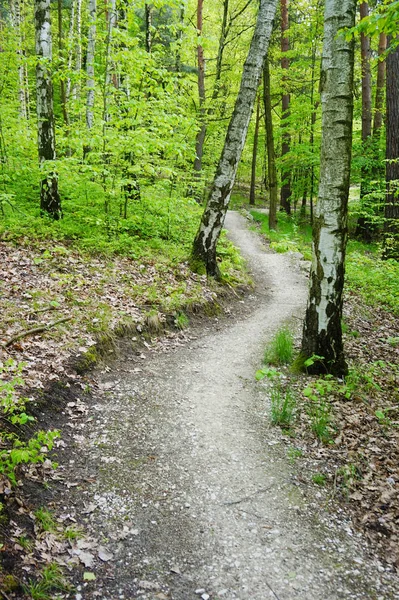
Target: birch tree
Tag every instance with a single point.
(322, 333)
(91, 48)
(204, 248)
(50, 201)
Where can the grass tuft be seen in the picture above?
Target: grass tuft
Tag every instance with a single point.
(280, 349)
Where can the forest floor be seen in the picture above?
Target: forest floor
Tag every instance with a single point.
(172, 482)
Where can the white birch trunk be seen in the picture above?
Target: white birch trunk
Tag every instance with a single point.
(16, 21)
(322, 333)
(78, 49)
(91, 49)
(70, 50)
(49, 198)
(108, 62)
(204, 249)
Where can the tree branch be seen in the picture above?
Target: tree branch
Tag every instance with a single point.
(34, 330)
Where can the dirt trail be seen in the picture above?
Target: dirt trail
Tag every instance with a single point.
(194, 493)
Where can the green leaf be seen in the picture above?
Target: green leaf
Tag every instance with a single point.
(88, 576)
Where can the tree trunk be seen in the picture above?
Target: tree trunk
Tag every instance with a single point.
(61, 59)
(285, 192)
(219, 57)
(380, 89)
(78, 49)
(254, 154)
(70, 50)
(391, 238)
(148, 25)
(322, 333)
(204, 248)
(271, 157)
(199, 142)
(50, 201)
(91, 49)
(16, 21)
(363, 228)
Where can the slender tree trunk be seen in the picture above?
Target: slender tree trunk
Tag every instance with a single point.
(271, 157)
(222, 43)
(148, 26)
(199, 142)
(111, 20)
(363, 228)
(91, 49)
(255, 154)
(204, 248)
(61, 59)
(78, 49)
(50, 201)
(366, 76)
(17, 21)
(322, 333)
(391, 238)
(70, 50)
(380, 91)
(285, 193)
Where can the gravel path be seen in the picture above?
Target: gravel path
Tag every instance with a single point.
(194, 494)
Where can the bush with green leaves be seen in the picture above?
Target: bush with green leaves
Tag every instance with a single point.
(16, 451)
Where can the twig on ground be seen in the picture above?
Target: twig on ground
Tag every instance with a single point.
(272, 591)
(34, 330)
(262, 491)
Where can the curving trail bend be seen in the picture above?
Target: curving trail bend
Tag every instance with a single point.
(194, 495)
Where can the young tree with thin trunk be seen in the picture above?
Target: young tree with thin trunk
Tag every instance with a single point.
(199, 141)
(391, 238)
(271, 157)
(322, 333)
(204, 248)
(363, 228)
(91, 49)
(148, 27)
(50, 201)
(285, 192)
(254, 154)
(380, 90)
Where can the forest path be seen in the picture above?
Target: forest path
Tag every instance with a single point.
(195, 496)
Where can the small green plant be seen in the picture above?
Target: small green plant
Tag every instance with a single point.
(294, 453)
(181, 320)
(280, 349)
(348, 474)
(46, 519)
(283, 403)
(25, 542)
(319, 409)
(72, 533)
(268, 372)
(319, 479)
(49, 583)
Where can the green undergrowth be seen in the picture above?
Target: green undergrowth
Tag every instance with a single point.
(367, 274)
(293, 234)
(160, 223)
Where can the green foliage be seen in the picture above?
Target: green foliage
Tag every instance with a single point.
(16, 451)
(181, 321)
(294, 453)
(375, 279)
(45, 519)
(268, 372)
(319, 479)
(292, 233)
(318, 407)
(49, 584)
(282, 406)
(280, 349)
